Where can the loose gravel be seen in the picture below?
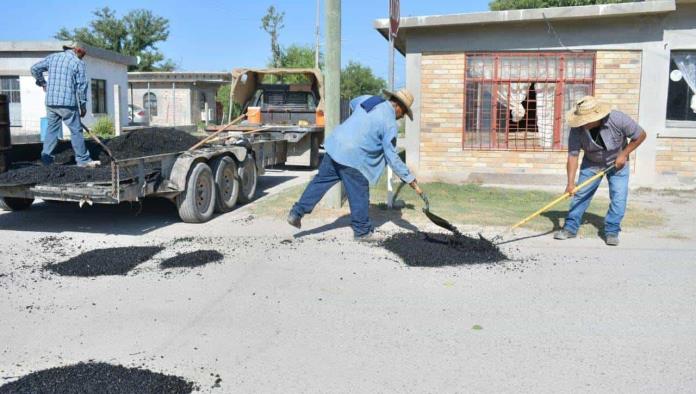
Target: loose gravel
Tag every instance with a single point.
(192, 259)
(438, 250)
(97, 378)
(152, 141)
(109, 261)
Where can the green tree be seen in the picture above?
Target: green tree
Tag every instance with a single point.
(499, 5)
(357, 80)
(136, 34)
(272, 23)
(223, 97)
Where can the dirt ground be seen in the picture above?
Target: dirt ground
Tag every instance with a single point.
(314, 311)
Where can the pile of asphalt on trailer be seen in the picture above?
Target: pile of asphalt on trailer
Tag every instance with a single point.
(437, 250)
(139, 143)
(97, 377)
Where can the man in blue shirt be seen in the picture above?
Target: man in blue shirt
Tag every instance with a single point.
(356, 154)
(66, 100)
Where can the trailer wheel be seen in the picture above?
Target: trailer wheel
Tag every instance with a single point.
(226, 183)
(249, 177)
(15, 203)
(197, 203)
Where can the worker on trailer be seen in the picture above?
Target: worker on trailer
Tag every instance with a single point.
(66, 100)
(603, 135)
(356, 152)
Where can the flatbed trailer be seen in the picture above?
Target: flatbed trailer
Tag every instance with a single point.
(200, 182)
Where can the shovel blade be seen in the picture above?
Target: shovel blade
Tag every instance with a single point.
(440, 221)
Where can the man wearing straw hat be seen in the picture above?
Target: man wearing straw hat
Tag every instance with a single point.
(356, 154)
(606, 137)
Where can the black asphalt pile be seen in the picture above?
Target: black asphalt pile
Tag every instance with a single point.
(152, 141)
(148, 142)
(55, 174)
(438, 250)
(109, 261)
(97, 378)
(192, 259)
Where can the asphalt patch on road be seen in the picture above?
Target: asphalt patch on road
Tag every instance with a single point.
(192, 259)
(148, 142)
(439, 250)
(97, 378)
(108, 261)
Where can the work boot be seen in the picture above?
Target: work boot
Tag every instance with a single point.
(90, 164)
(372, 236)
(563, 234)
(294, 220)
(612, 239)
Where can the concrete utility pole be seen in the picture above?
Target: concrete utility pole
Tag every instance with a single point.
(316, 48)
(332, 88)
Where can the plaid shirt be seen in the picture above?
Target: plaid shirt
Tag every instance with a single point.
(67, 83)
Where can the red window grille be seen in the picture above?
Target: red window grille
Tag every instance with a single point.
(518, 100)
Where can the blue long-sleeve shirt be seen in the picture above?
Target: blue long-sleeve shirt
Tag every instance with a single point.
(67, 82)
(364, 141)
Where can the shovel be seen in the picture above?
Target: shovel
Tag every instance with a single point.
(551, 204)
(98, 141)
(437, 219)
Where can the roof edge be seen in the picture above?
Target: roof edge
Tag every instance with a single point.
(57, 46)
(553, 13)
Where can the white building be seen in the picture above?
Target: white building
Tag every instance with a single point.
(179, 99)
(105, 69)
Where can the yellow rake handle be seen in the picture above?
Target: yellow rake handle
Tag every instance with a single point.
(562, 197)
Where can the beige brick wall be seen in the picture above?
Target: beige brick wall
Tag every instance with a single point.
(441, 124)
(676, 159)
(617, 80)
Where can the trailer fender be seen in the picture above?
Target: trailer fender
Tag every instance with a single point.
(184, 163)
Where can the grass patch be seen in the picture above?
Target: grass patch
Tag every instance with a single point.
(470, 204)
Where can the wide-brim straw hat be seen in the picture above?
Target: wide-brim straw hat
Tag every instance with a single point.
(587, 110)
(404, 97)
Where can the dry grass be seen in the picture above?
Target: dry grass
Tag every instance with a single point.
(471, 205)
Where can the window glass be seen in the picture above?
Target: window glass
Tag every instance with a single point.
(98, 96)
(681, 93)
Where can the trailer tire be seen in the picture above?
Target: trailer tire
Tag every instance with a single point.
(15, 203)
(197, 202)
(248, 176)
(226, 184)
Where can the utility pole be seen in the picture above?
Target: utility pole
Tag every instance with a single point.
(332, 87)
(316, 49)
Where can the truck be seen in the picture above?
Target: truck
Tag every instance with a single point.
(287, 104)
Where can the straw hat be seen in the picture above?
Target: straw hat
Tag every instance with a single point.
(404, 97)
(587, 110)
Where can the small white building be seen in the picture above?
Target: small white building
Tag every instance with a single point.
(179, 99)
(105, 69)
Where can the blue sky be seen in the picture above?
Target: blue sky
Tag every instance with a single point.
(217, 35)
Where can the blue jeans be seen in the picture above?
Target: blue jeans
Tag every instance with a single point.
(71, 117)
(357, 189)
(618, 194)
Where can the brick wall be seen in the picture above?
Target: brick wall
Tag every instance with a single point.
(617, 80)
(441, 125)
(675, 160)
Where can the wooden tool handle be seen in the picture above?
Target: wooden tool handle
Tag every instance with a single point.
(210, 137)
(562, 197)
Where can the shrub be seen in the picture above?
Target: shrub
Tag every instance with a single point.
(103, 127)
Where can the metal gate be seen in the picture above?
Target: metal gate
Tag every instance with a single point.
(518, 100)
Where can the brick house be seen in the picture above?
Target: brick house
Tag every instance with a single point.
(492, 88)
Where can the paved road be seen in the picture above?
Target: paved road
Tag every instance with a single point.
(322, 313)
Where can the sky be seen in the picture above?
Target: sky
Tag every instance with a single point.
(215, 35)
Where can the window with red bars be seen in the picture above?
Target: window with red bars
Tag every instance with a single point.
(518, 100)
